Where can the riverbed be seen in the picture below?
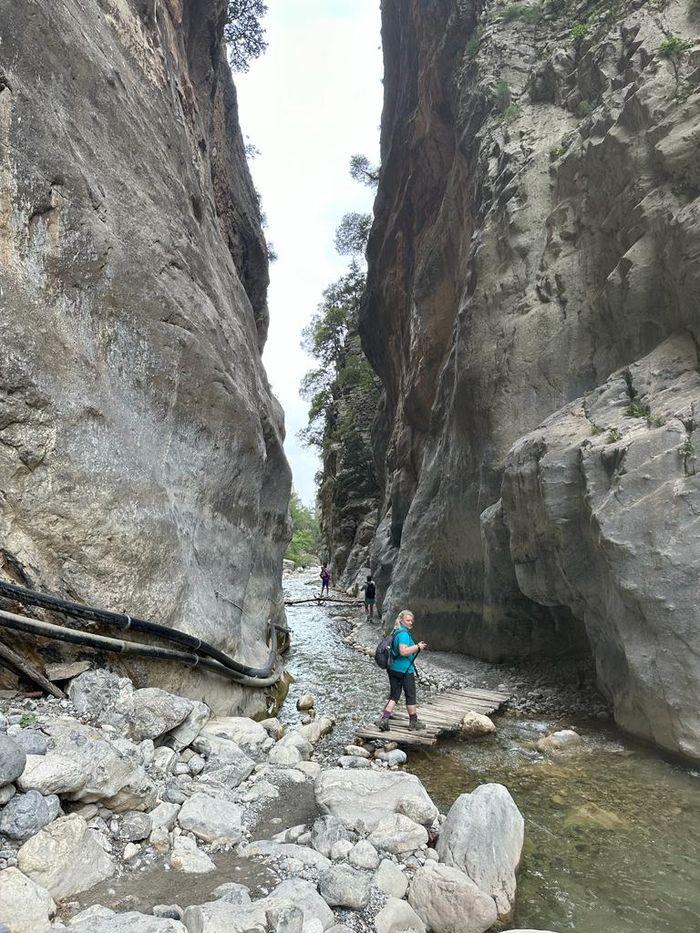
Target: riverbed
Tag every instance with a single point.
(612, 831)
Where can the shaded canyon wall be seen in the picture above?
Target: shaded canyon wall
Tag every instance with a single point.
(533, 311)
(140, 446)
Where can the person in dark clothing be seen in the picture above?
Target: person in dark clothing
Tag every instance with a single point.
(370, 596)
(325, 580)
(401, 672)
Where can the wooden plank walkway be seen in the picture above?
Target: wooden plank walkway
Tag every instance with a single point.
(442, 714)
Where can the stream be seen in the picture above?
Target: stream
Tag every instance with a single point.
(612, 832)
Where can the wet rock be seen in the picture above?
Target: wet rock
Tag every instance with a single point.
(211, 818)
(190, 727)
(559, 741)
(362, 798)
(12, 759)
(475, 724)
(136, 826)
(25, 907)
(326, 832)
(187, 857)
(483, 837)
(393, 758)
(398, 917)
(344, 886)
(364, 855)
(390, 879)
(32, 741)
(65, 858)
(448, 901)
(26, 814)
(352, 762)
(398, 835)
(306, 702)
(591, 815)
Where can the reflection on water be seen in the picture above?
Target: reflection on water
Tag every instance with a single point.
(612, 832)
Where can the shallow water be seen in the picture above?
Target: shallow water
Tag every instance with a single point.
(612, 833)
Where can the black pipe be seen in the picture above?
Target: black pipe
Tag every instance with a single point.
(124, 622)
(105, 643)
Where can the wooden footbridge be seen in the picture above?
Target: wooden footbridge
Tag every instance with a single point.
(442, 714)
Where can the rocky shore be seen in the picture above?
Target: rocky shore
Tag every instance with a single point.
(118, 786)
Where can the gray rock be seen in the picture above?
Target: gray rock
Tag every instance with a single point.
(306, 702)
(357, 751)
(103, 920)
(290, 749)
(165, 814)
(188, 858)
(362, 798)
(344, 886)
(211, 818)
(184, 323)
(364, 855)
(398, 917)
(190, 727)
(220, 917)
(12, 759)
(232, 893)
(474, 725)
(326, 832)
(398, 834)
(287, 851)
(314, 731)
(65, 858)
(170, 911)
(483, 837)
(390, 879)
(26, 907)
(7, 793)
(349, 762)
(240, 730)
(232, 768)
(274, 728)
(394, 758)
(559, 741)
(32, 741)
(303, 894)
(136, 826)
(448, 901)
(26, 814)
(157, 712)
(341, 849)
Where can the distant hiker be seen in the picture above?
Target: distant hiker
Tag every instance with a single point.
(370, 595)
(402, 672)
(325, 580)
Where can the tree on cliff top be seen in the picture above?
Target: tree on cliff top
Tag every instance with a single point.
(244, 32)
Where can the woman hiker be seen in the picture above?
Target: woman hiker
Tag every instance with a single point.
(325, 579)
(402, 672)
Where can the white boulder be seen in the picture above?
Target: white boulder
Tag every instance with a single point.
(345, 886)
(25, 906)
(475, 724)
(448, 901)
(187, 857)
(211, 818)
(361, 799)
(390, 879)
(560, 741)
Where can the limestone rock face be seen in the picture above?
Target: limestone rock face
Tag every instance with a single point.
(141, 448)
(536, 231)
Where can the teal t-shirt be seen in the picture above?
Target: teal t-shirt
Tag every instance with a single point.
(398, 663)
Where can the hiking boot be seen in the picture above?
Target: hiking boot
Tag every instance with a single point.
(415, 725)
(382, 724)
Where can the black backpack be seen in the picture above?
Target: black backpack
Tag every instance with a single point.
(370, 591)
(384, 651)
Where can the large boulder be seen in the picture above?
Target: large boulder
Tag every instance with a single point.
(82, 764)
(12, 759)
(246, 733)
(448, 901)
(25, 906)
(483, 837)
(390, 879)
(65, 858)
(361, 799)
(103, 920)
(288, 852)
(303, 894)
(211, 818)
(26, 814)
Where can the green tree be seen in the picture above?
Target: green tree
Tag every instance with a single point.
(361, 170)
(306, 534)
(244, 32)
(352, 234)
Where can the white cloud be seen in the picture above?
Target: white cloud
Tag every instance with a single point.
(308, 104)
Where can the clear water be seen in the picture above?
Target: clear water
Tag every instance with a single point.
(612, 834)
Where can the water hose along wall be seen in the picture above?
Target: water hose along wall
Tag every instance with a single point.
(201, 655)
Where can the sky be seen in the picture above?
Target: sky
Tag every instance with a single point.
(310, 102)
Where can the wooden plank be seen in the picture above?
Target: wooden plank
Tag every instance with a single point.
(401, 738)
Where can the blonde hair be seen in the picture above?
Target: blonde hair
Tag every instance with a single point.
(400, 617)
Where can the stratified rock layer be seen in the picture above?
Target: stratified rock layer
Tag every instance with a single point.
(538, 229)
(141, 449)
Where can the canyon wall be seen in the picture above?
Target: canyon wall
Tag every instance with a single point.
(140, 446)
(533, 311)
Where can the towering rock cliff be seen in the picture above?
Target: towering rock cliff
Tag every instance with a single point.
(533, 311)
(140, 446)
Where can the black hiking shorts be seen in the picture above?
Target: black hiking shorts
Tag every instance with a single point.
(405, 682)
